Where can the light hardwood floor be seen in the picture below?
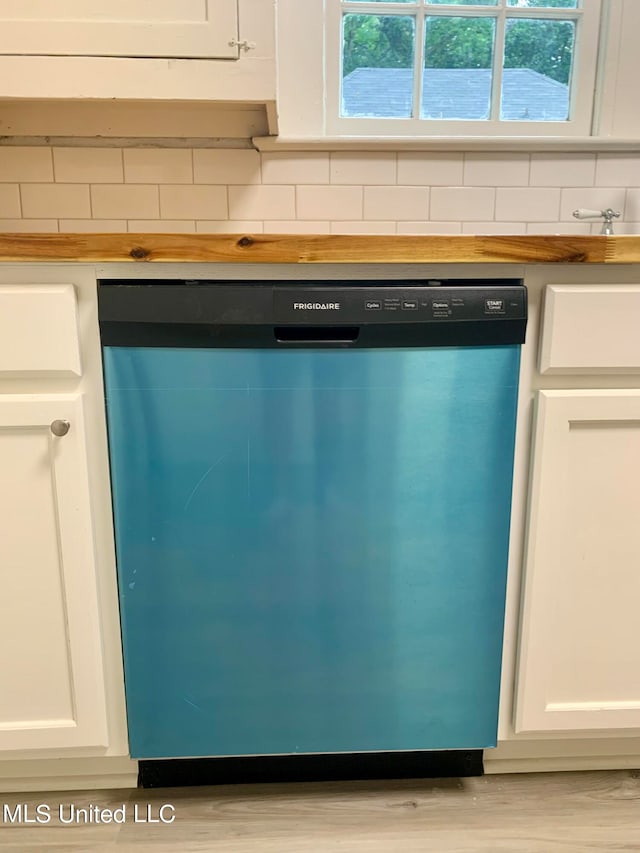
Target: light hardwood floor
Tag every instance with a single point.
(550, 813)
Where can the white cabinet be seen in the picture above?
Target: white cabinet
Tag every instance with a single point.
(162, 28)
(39, 330)
(52, 691)
(207, 53)
(591, 329)
(579, 661)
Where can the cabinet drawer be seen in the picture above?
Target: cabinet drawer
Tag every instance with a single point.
(38, 330)
(591, 329)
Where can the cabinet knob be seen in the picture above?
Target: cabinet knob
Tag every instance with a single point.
(60, 428)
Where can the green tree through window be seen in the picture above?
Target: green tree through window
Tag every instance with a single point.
(386, 41)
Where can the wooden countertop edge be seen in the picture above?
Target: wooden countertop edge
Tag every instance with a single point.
(318, 248)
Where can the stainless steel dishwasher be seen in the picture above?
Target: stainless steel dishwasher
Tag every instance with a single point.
(312, 487)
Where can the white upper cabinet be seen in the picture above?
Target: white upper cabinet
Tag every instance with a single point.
(134, 28)
(579, 661)
(132, 55)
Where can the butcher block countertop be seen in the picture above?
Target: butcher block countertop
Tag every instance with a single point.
(319, 248)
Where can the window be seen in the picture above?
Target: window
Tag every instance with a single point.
(472, 67)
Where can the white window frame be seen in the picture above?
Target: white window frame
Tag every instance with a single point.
(582, 87)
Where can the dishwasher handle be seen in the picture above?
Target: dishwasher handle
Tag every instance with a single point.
(317, 335)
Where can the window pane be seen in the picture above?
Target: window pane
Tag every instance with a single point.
(458, 60)
(538, 62)
(544, 4)
(377, 65)
(461, 2)
(384, 1)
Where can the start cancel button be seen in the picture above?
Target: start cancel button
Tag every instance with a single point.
(494, 306)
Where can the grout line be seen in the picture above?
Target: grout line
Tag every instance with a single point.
(90, 201)
(20, 201)
(192, 168)
(529, 172)
(53, 165)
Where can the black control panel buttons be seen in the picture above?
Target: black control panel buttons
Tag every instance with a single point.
(441, 308)
(409, 304)
(373, 305)
(494, 305)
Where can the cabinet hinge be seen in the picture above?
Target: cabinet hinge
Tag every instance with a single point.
(243, 45)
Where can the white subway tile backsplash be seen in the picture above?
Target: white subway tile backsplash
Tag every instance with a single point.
(313, 192)
(362, 227)
(158, 166)
(425, 169)
(225, 166)
(632, 210)
(592, 199)
(93, 226)
(562, 170)
(302, 168)
(558, 228)
(193, 202)
(40, 201)
(530, 204)
(10, 201)
(468, 204)
(429, 227)
(332, 202)
(363, 168)
(618, 170)
(493, 228)
(88, 165)
(496, 170)
(110, 201)
(262, 202)
(229, 226)
(297, 226)
(24, 164)
(161, 226)
(396, 203)
(28, 226)
(624, 227)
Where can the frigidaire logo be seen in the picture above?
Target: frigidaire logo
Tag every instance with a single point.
(316, 306)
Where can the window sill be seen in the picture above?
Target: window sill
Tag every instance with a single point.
(444, 143)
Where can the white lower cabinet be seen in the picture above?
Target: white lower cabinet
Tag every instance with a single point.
(579, 659)
(52, 683)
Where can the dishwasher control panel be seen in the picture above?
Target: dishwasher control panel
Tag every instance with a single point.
(410, 304)
(267, 314)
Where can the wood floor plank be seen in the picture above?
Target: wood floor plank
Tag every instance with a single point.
(537, 813)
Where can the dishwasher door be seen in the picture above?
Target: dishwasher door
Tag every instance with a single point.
(311, 544)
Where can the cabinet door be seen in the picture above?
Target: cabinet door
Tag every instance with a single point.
(579, 665)
(51, 670)
(163, 28)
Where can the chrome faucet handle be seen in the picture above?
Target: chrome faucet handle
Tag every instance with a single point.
(607, 216)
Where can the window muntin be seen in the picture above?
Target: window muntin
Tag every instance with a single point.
(475, 67)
